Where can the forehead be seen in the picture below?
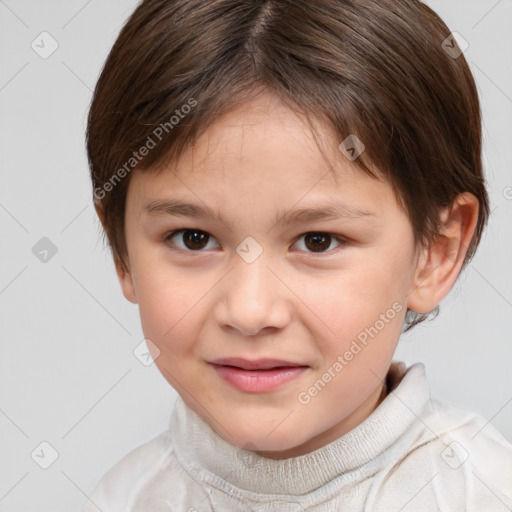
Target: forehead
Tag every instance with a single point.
(262, 155)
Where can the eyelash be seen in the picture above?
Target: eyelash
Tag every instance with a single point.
(342, 241)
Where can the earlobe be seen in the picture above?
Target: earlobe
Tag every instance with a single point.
(439, 265)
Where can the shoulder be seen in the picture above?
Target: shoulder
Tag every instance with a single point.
(113, 491)
(460, 461)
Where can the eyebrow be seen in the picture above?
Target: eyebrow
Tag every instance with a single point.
(328, 212)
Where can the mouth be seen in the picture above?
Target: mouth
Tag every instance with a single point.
(257, 364)
(257, 376)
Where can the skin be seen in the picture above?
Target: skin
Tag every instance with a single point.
(291, 303)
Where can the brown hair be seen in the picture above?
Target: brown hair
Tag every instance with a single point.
(377, 69)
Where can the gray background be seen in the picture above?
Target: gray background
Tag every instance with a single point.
(68, 375)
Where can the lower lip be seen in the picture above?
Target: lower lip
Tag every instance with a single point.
(258, 381)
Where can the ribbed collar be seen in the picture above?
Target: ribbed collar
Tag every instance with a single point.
(393, 425)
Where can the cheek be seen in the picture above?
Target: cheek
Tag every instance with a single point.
(167, 312)
(355, 297)
(168, 302)
(360, 312)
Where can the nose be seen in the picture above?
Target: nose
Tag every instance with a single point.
(253, 299)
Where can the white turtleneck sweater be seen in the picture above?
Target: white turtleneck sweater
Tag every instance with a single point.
(413, 453)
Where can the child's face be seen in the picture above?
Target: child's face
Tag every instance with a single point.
(304, 299)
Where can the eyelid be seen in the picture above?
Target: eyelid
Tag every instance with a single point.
(338, 238)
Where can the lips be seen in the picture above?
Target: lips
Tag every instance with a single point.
(257, 375)
(256, 364)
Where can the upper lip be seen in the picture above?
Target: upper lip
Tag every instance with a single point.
(255, 364)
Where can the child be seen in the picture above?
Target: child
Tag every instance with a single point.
(267, 129)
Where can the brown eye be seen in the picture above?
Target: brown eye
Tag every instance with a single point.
(195, 239)
(192, 239)
(319, 242)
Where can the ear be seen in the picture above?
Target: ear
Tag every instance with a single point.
(123, 273)
(440, 264)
